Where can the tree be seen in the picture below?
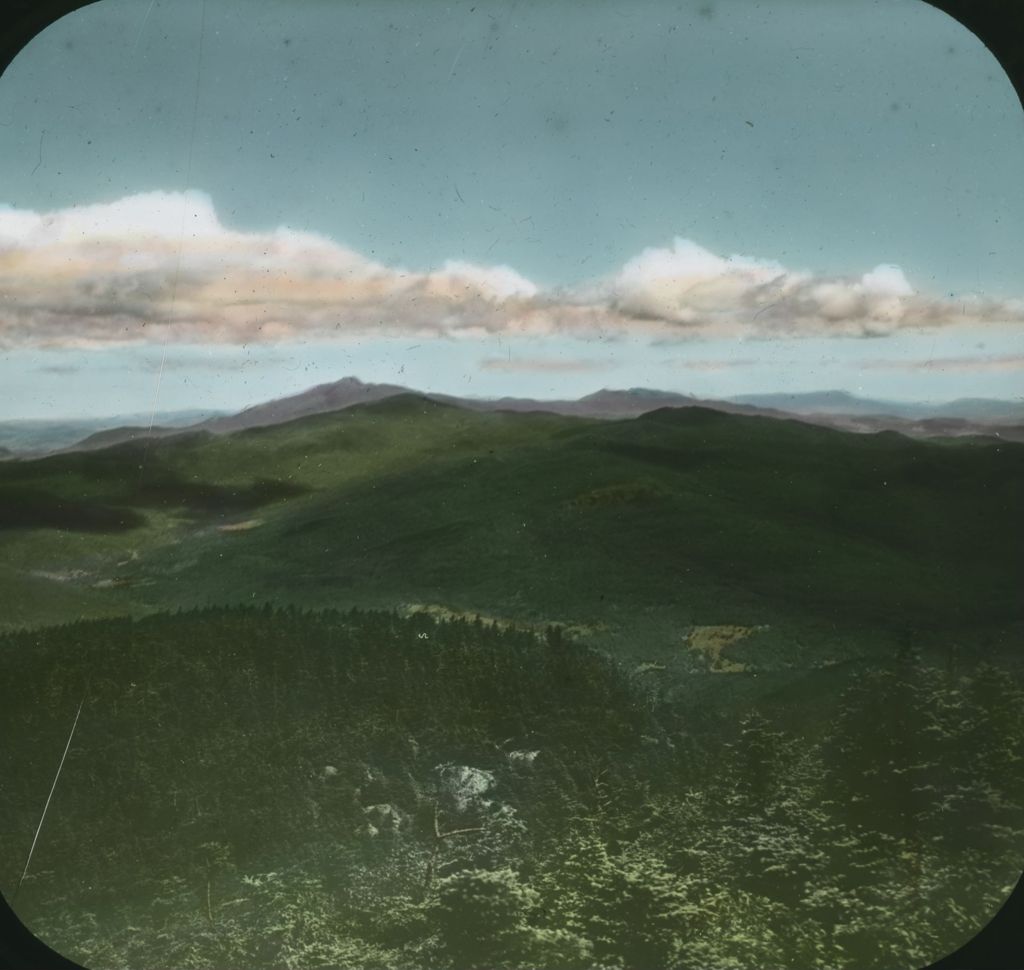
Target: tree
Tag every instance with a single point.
(481, 917)
(629, 907)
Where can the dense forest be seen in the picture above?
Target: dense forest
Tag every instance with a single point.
(268, 787)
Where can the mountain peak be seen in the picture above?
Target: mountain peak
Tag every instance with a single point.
(331, 396)
(636, 393)
(349, 381)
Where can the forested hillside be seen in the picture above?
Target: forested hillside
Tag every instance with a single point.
(832, 545)
(268, 787)
(693, 690)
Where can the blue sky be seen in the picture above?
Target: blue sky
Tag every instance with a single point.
(506, 198)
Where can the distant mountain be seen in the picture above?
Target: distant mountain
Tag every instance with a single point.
(637, 528)
(982, 409)
(844, 403)
(349, 391)
(45, 435)
(629, 403)
(119, 435)
(317, 400)
(821, 402)
(608, 404)
(834, 409)
(937, 427)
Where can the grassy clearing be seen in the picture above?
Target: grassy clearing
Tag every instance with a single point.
(710, 641)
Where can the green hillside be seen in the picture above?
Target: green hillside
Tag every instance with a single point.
(738, 692)
(825, 545)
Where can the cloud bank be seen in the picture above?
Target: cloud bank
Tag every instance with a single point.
(162, 267)
(996, 363)
(551, 365)
(712, 364)
(687, 285)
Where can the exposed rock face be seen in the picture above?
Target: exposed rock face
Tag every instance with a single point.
(384, 818)
(522, 757)
(466, 785)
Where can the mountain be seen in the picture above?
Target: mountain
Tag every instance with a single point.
(836, 409)
(119, 435)
(605, 403)
(821, 543)
(843, 403)
(350, 391)
(829, 408)
(927, 427)
(346, 393)
(35, 436)
(982, 409)
(824, 402)
(317, 400)
(718, 657)
(323, 398)
(636, 401)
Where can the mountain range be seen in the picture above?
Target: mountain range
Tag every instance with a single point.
(835, 409)
(844, 403)
(814, 541)
(42, 435)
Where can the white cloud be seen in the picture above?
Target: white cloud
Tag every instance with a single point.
(162, 265)
(149, 215)
(988, 364)
(117, 271)
(887, 280)
(686, 283)
(713, 364)
(691, 287)
(495, 283)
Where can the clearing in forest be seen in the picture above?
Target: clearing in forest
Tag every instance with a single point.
(712, 640)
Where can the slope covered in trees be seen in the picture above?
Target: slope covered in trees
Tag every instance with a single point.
(277, 788)
(833, 545)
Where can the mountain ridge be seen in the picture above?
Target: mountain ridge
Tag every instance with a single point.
(843, 402)
(836, 409)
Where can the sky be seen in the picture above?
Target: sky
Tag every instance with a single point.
(209, 203)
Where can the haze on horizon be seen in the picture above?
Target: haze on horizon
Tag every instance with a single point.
(210, 204)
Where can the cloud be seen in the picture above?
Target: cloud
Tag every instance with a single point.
(218, 363)
(544, 365)
(161, 267)
(715, 364)
(686, 283)
(496, 283)
(689, 286)
(152, 363)
(991, 364)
